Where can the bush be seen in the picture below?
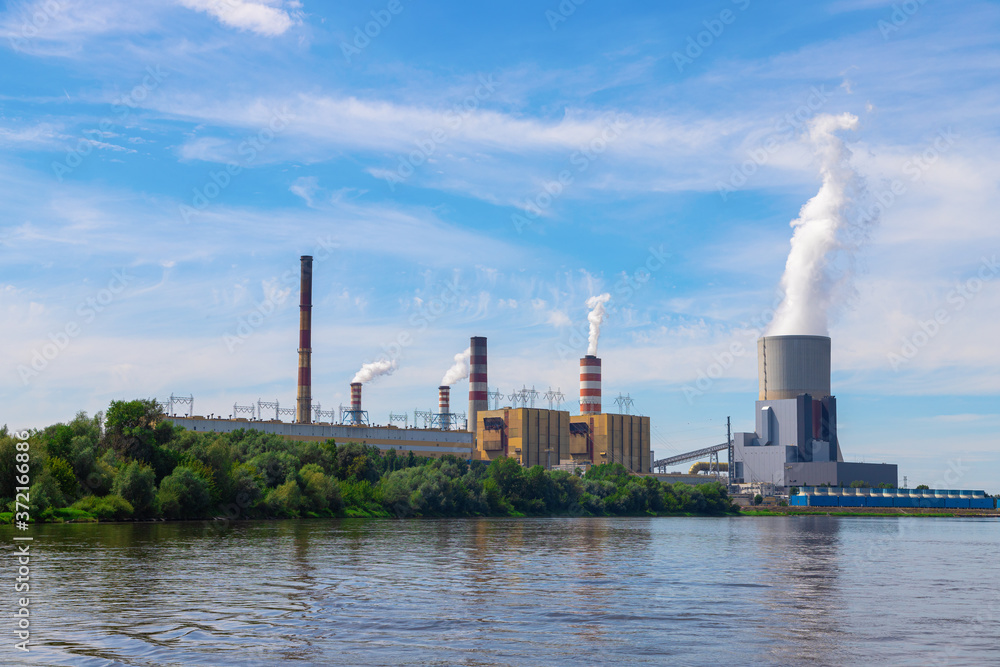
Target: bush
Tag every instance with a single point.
(183, 494)
(285, 501)
(107, 508)
(43, 495)
(136, 483)
(63, 473)
(319, 492)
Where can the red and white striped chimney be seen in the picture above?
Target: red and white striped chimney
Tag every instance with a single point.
(478, 389)
(590, 385)
(356, 402)
(303, 402)
(444, 406)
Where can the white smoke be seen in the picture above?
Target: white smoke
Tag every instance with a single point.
(460, 369)
(596, 317)
(375, 369)
(830, 228)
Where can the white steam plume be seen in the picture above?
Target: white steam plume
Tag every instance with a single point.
(596, 317)
(830, 228)
(375, 369)
(460, 369)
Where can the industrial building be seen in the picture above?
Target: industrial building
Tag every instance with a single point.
(422, 442)
(908, 498)
(531, 436)
(536, 436)
(795, 442)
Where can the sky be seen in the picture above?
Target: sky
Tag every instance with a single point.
(466, 170)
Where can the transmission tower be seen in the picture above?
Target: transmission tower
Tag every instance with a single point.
(624, 404)
(555, 398)
(426, 415)
(400, 417)
(268, 405)
(244, 410)
(183, 400)
(496, 397)
(530, 395)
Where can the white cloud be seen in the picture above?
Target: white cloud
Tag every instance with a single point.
(269, 18)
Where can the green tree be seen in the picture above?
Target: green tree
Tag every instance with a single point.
(923, 486)
(319, 492)
(136, 483)
(183, 494)
(63, 473)
(860, 484)
(45, 494)
(134, 429)
(758, 499)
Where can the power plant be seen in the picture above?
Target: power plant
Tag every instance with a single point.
(795, 442)
(533, 436)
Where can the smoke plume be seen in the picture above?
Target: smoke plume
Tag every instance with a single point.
(460, 369)
(830, 228)
(596, 317)
(375, 369)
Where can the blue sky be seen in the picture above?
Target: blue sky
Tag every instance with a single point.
(163, 166)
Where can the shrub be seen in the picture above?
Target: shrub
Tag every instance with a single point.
(285, 500)
(63, 473)
(183, 494)
(319, 492)
(107, 508)
(136, 483)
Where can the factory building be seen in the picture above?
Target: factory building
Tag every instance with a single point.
(529, 435)
(908, 498)
(536, 436)
(533, 436)
(422, 442)
(795, 442)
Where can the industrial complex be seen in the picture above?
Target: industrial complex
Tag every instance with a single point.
(795, 442)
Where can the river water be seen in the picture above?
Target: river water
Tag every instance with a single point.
(708, 591)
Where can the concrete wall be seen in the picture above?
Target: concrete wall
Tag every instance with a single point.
(422, 442)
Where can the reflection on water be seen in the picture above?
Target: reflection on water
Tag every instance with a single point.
(781, 590)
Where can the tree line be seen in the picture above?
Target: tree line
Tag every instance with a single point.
(130, 463)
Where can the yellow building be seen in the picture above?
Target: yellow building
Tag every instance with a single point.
(533, 436)
(608, 438)
(537, 436)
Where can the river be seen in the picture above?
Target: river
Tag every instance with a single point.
(713, 591)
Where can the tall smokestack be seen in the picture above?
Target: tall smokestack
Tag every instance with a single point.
(590, 385)
(356, 403)
(444, 406)
(303, 406)
(478, 390)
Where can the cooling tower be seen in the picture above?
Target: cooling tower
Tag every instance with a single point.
(791, 365)
(303, 405)
(590, 385)
(478, 390)
(444, 406)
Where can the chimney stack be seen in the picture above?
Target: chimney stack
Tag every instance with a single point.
(303, 406)
(478, 389)
(356, 403)
(590, 385)
(444, 406)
